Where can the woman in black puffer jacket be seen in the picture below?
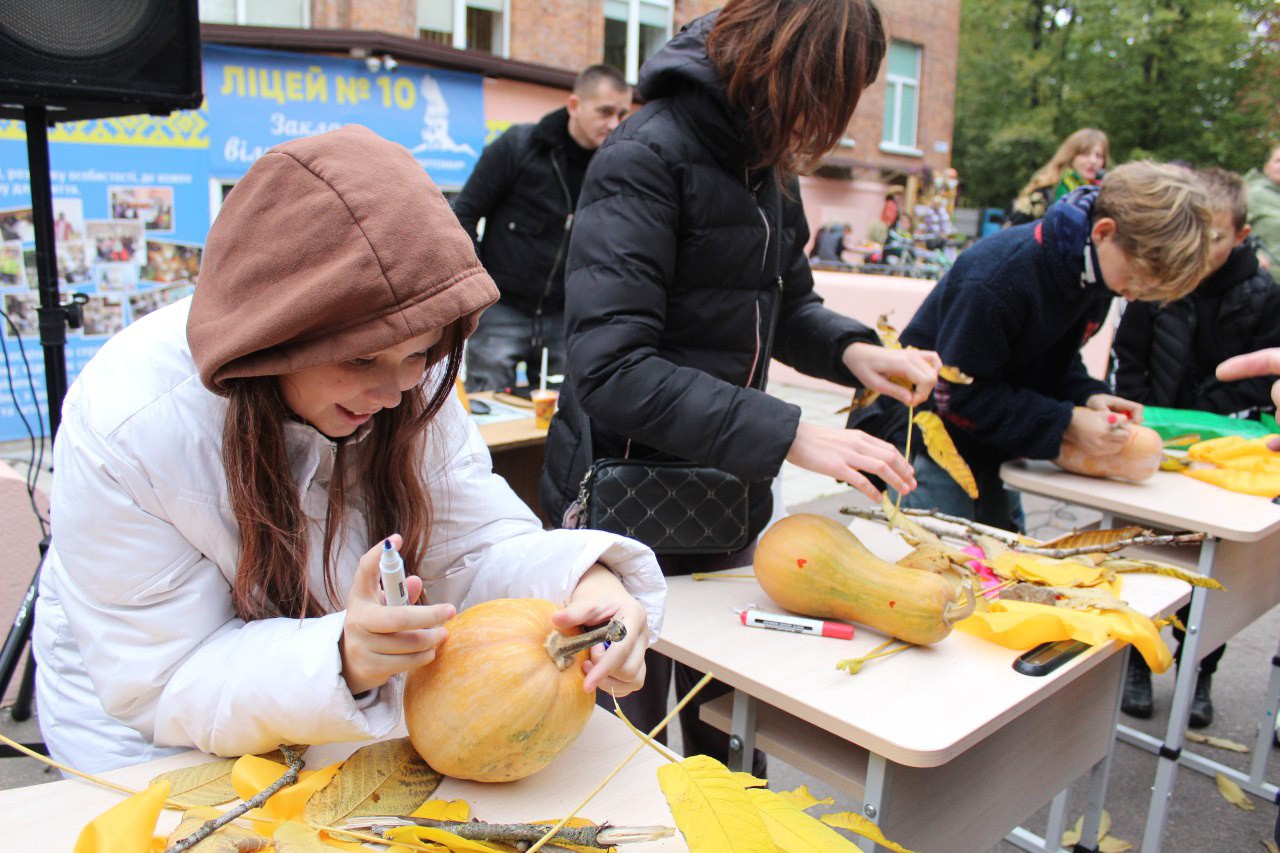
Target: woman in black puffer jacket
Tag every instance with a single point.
(688, 234)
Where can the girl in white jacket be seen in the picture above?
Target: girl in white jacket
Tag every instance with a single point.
(224, 463)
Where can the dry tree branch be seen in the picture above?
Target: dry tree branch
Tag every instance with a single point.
(1019, 543)
(290, 777)
(602, 837)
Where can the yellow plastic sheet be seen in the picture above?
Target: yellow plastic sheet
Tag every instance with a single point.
(128, 825)
(1243, 465)
(252, 774)
(1046, 571)
(1021, 625)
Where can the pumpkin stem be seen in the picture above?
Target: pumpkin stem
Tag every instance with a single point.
(562, 648)
(954, 611)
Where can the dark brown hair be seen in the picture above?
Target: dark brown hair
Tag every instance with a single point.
(383, 472)
(796, 69)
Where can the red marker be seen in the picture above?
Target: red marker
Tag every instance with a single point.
(796, 624)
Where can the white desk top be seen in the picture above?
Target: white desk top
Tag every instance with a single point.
(50, 816)
(921, 707)
(1167, 499)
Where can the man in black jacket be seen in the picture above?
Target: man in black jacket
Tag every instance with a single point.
(525, 187)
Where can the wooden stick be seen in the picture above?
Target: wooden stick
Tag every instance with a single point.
(289, 778)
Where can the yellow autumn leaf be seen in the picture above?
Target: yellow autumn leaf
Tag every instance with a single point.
(801, 798)
(1271, 846)
(954, 375)
(793, 830)
(294, 837)
(231, 838)
(1111, 844)
(1233, 793)
(1219, 742)
(385, 777)
(711, 808)
(943, 451)
(859, 825)
(1094, 538)
(1071, 837)
(252, 774)
(205, 784)
(888, 334)
(128, 825)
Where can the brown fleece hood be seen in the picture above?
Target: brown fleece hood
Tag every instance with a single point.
(331, 247)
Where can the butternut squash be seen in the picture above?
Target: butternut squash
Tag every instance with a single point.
(815, 566)
(1136, 461)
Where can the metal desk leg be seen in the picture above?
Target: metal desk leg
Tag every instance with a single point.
(1266, 726)
(878, 773)
(1098, 779)
(1171, 750)
(742, 734)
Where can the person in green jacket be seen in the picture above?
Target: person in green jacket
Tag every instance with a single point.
(1263, 186)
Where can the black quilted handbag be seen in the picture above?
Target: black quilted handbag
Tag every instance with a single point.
(673, 507)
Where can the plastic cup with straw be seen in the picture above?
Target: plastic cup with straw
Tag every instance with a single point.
(544, 399)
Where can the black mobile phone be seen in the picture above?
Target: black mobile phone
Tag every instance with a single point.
(1047, 657)
(479, 407)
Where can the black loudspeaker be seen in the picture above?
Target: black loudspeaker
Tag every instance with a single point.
(95, 58)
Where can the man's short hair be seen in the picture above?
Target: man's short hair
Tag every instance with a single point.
(1163, 217)
(590, 78)
(1226, 192)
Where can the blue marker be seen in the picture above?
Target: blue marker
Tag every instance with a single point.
(392, 569)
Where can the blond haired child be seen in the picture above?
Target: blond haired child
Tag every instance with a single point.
(1016, 308)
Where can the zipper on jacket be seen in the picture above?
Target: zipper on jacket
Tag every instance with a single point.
(560, 251)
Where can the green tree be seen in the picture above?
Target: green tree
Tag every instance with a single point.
(1168, 79)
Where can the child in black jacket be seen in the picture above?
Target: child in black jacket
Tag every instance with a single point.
(1166, 355)
(1013, 313)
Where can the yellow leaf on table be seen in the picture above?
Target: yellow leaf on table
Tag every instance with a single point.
(231, 838)
(294, 837)
(711, 807)
(793, 830)
(1233, 793)
(857, 823)
(128, 825)
(943, 451)
(385, 777)
(207, 784)
(253, 774)
(801, 798)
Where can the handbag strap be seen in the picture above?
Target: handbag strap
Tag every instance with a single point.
(760, 369)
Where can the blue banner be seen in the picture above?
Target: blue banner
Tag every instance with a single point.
(131, 210)
(258, 99)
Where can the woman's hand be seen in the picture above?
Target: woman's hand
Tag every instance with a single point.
(379, 641)
(599, 597)
(877, 367)
(1111, 404)
(846, 453)
(1263, 362)
(1092, 430)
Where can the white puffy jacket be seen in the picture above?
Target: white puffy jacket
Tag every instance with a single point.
(138, 647)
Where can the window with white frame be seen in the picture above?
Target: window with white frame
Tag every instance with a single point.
(902, 99)
(633, 32)
(257, 13)
(483, 24)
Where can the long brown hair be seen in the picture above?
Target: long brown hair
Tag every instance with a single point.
(385, 473)
(1082, 141)
(796, 69)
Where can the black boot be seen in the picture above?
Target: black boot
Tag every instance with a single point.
(1201, 704)
(1137, 700)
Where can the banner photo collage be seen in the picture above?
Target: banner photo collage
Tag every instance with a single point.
(132, 195)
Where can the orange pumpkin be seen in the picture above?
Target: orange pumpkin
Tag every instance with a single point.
(504, 695)
(1136, 461)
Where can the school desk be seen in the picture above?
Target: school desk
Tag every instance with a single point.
(1241, 550)
(50, 816)
(946, 746)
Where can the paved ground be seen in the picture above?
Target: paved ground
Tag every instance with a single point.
(1199, 819)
